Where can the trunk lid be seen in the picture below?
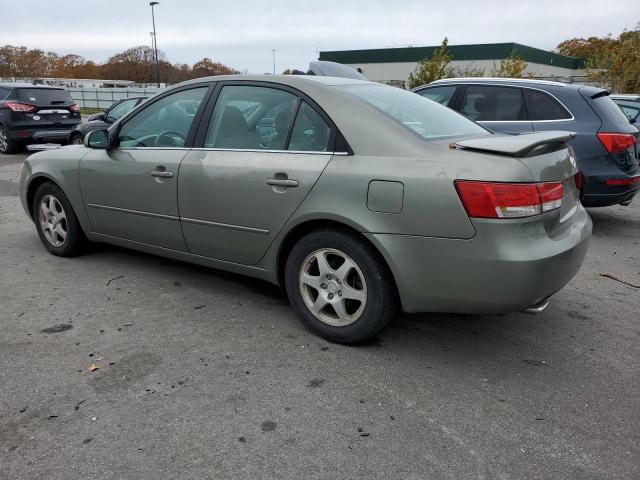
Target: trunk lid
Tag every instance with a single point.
(546, 156)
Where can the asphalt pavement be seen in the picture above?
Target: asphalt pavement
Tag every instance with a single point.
(122, 365)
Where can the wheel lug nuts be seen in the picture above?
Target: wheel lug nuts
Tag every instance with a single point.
(339, 293)
(324, 285)
(328, 277)
(330, 296)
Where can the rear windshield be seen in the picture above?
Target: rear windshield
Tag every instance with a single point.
(607, 110)
(424, 117)
(43, 96)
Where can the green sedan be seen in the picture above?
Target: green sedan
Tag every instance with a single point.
(359, 199)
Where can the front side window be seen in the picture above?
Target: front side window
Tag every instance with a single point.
(542, 106)
(491, 103)
(441, 95)
(251, 118)
(164, 123)
(425, 118)
(121, 109)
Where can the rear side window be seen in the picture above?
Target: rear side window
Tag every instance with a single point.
(43, 96)
(492, 103)
(542, 106)
(441, 95)
(310, 132)
(3, 93)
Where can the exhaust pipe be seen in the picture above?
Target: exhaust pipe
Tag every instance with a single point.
(538, 307)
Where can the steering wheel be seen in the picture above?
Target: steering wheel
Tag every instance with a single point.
(170, 136)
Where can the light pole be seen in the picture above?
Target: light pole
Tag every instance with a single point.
(273, 52)
(155, 41)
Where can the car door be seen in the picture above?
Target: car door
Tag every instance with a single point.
(498, 108)
(130, 191)
(262, 148)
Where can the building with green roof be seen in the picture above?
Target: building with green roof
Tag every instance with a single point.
(393, 65)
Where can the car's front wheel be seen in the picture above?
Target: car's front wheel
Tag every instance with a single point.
(56, 222)
(339, 286)
(7, 145)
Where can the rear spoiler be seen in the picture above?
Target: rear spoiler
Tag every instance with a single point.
(515, 145)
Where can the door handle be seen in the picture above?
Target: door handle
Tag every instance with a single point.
(161, 173)
(282, 182)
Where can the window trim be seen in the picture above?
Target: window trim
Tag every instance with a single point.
(198, 143)
(114, 130)
(458, 104)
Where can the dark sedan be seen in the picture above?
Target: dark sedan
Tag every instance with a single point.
(104, 119)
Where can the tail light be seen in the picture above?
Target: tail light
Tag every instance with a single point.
(616, 142)
(18, 107)
(623, 181)
(74, 107)
(578, 178)
(508, 200)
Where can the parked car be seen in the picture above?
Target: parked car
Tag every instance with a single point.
(33, 113)
(605, 145)
(361, 198)
(630, 106)
(104, 119)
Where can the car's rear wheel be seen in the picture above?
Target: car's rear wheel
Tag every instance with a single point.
(339, 286)
(7, 145)
(77, 139)
(56, 222)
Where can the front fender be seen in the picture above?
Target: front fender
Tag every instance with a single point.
(61, 167)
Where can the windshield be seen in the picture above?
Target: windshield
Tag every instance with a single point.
(43, 96)
(428, 119)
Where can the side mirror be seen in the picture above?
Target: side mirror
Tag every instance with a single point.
(97, 139)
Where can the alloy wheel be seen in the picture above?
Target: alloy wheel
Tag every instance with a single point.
(333, 287)
(53, 220)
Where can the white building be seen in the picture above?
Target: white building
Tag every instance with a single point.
(393, 65)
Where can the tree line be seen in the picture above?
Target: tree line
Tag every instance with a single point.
(135, 64)
(610, 62)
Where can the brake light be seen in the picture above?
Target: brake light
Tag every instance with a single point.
(508, 200)
(578, 178)
(18, 107)
(74, 107)
(616, 142)
(623, 181)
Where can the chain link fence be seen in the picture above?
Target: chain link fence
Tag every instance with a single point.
(104, 97)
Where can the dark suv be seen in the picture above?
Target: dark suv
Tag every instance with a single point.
(32, 113)
(606, 144)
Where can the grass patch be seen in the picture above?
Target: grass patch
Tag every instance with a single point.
(91, 111)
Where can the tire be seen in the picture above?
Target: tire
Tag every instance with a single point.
(76, 139)
(7, 146)
(355, 283)
(56, 222)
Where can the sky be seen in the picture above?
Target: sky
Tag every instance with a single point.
(243, 33)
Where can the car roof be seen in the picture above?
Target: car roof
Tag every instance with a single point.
(28, 85)
(291, 80)
(517, 81)
(626, 103)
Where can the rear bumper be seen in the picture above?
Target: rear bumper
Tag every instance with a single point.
(506, 267)
(599, 194)
(47, 135)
